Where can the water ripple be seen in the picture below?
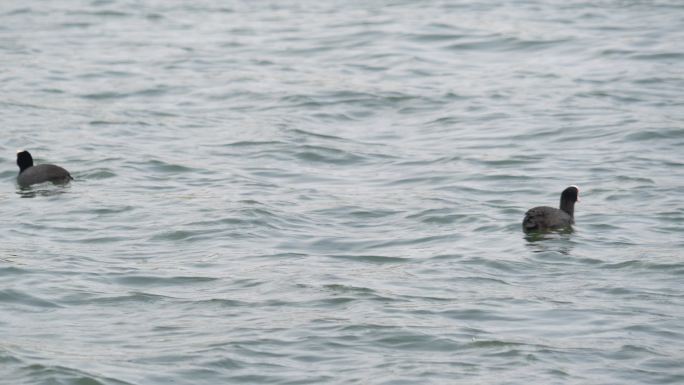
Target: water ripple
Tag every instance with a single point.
(328, 192)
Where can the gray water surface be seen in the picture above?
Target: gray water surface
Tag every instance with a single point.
(330, 192)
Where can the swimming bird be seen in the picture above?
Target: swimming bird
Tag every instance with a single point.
(30, 174)
(545, 218)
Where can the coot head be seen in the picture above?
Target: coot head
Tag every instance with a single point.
(568, 198)
(24, 160)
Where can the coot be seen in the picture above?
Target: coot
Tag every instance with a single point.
(30, 174)
(545, 218)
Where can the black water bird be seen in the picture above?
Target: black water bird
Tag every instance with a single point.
(30, 174)
(544, 218)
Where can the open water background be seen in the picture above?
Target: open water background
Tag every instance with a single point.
(330, 192)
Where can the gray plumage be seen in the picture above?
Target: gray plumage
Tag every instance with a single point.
(544, 218)
(30, 174)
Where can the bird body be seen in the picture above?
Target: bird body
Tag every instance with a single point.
(30, 174)
(544, 218)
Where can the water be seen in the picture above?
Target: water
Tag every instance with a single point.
(306, 192)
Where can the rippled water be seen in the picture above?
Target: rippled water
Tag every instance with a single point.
(307, 192)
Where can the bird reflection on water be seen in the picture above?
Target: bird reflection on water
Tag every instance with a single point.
(560, 241)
